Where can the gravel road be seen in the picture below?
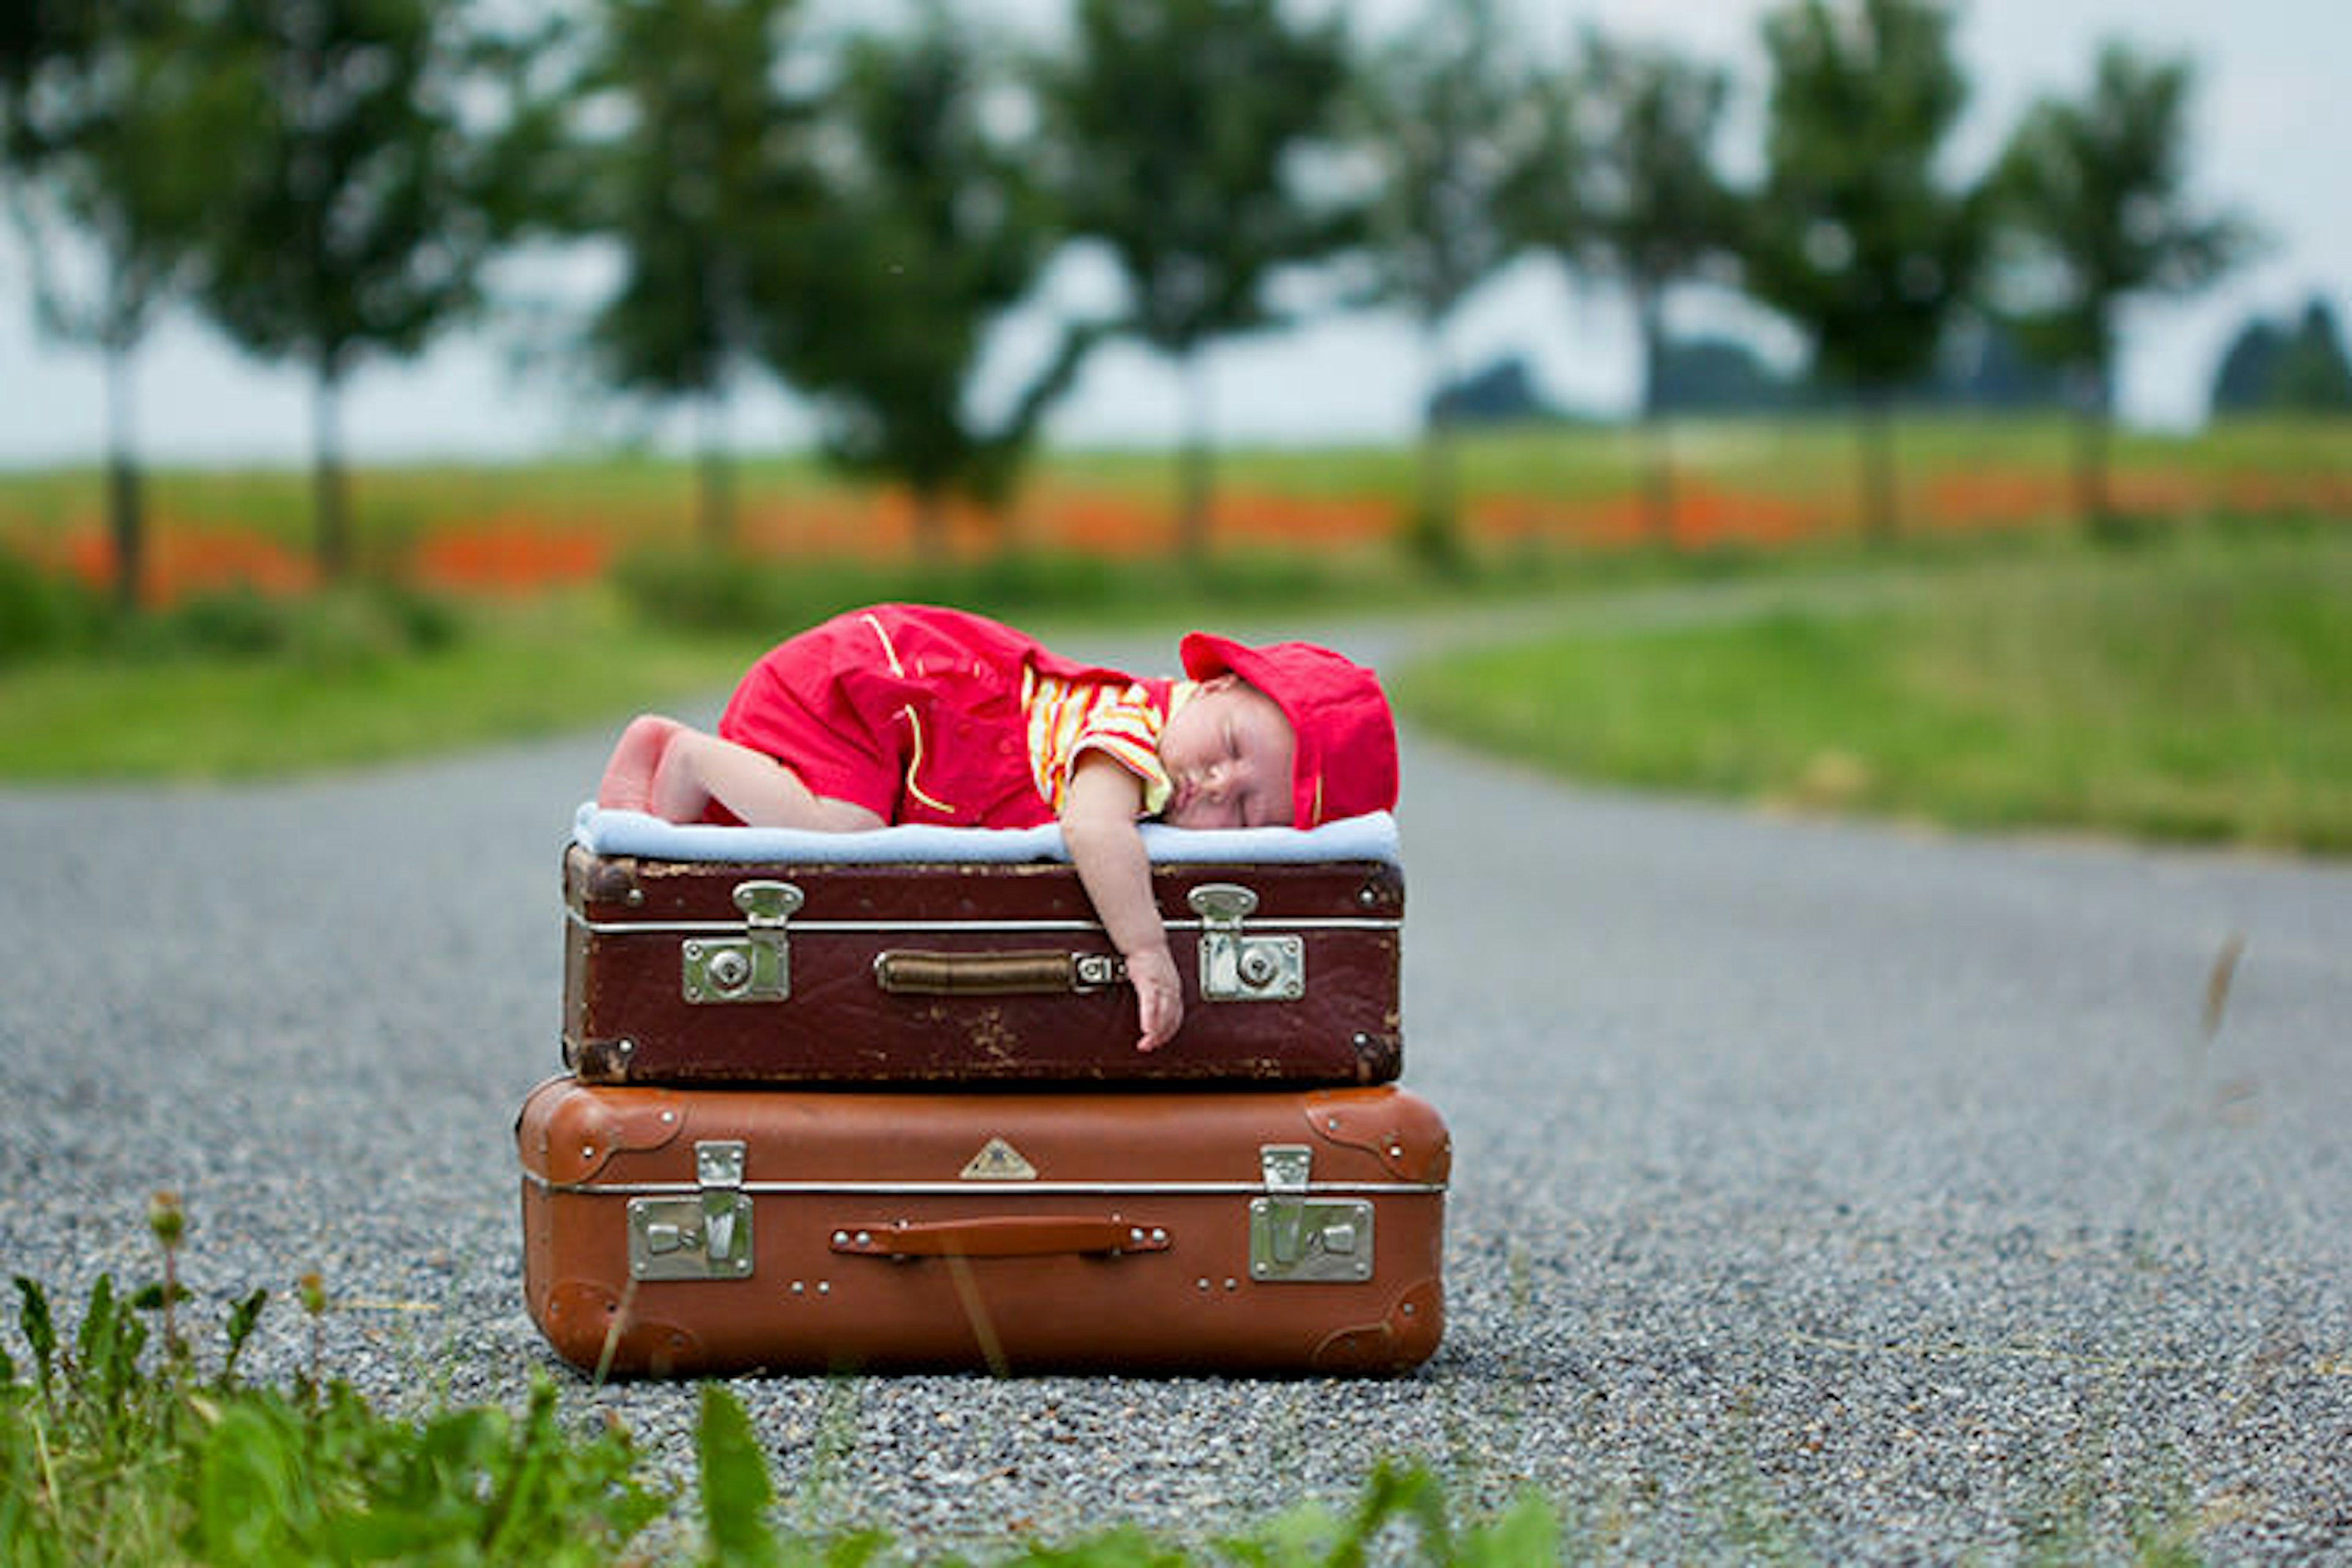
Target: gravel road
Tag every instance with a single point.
(1830, 1191)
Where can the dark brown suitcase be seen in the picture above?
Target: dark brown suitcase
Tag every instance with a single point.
(971, 973)
(671, 1231)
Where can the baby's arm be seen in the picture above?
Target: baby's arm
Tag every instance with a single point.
(1099, 824)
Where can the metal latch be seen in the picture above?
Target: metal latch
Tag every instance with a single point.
(1239, 968)
(705, 1236)
(1298, 1239)
(754, 967)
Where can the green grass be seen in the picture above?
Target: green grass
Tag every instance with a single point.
(116, 1447)
(2193, 686)
(335, 698)
(2180, 687)
(2196, 687)
(122, 1442)
(237, 686)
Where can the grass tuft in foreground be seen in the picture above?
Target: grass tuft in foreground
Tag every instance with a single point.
(116, 1448)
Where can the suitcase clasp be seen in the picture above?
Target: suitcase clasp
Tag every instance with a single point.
(1239, 968)
(755, 967)
(706, 1237)
(1298, 1239)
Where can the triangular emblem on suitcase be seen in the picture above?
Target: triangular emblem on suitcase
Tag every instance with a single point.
(999, 1162)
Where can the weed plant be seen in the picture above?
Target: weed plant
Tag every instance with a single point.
(116, 1447)
(45, 614)
(50, 616)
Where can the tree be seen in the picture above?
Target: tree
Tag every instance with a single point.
(2094, 210)
(692, 163)
(2243, 378)
(346, 219)
(2314, 375)
(1501, 391)
(1181, 125)
(1984, 366)
(111, 125)
(1718, 376)
(931, 227)
(2270, 365)
(1856, 237)
(1437, 116)
(31, 32)
(1633, 194)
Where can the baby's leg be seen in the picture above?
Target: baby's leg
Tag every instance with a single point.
(628, 782)
(698, 768)
(675, 772)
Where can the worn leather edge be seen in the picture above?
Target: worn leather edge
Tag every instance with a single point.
(568, 1131)
(577, 1319)
(1407, 1337)
(1395, 1126)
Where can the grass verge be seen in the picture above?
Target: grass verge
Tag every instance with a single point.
(116, 1447)
(322, 696)
(2197, 685)
(239, 686)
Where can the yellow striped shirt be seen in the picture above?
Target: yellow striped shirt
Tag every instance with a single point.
(1068, 718)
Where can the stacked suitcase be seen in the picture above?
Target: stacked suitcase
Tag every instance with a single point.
(872, 1101)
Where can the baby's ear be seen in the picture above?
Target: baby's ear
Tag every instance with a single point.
(1225, 680)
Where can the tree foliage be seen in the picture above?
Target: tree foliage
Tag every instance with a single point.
(1180, 128)
(2094, 200)
(2299, 366)
(329, 179)
(1633, 194)
(1439, 117)
(930, 229)
(344, 218)
(112, 123)
(1653, 210)
(1859, 238)
(691, 160)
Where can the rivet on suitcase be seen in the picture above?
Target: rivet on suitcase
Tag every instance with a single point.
(682, 1231)
(942, 956)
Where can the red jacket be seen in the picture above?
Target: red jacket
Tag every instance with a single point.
(910, 711)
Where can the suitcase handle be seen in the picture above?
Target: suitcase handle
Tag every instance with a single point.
(909, 974)
(1026, 1236)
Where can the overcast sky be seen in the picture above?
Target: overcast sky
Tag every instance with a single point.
(2274, 123)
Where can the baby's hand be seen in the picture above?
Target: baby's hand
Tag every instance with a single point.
(1158, 995)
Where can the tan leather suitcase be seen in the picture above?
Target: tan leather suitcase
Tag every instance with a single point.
(679, 1231)
(970, 971)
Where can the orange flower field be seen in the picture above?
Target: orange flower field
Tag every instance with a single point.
(512, 552)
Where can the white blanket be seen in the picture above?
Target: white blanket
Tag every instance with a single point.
(603, 832)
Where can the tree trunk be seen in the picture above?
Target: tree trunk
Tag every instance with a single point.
(125, 519)
(329, 500)
(715, 479)
(1657, 439)
(1436, 528)
(2093, 505)
(1880, 505)
(929, 503)
(1195, 463)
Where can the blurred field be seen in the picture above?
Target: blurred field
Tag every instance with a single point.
(2197, 686)
(2189, 678)
(501, 532)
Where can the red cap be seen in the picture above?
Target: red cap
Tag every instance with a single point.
(1347, 762)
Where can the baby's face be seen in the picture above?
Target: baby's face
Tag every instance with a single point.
(1228, 753)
